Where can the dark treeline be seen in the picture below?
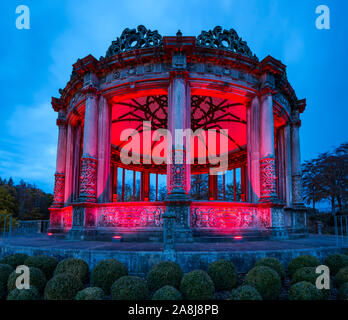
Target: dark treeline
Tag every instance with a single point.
(23, 200)
(326, 178)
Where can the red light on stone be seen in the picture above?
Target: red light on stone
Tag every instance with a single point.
(50, 234)
(117, 237)
(237, 237)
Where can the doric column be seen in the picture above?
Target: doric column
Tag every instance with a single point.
(287, 165)
(104, 150)
(59, 183)
(179, 118)
(68, 194)
(88, 177)
(253, 147)
(267, 151)
(296, 162)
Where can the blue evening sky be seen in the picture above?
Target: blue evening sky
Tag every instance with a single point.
(35, 63)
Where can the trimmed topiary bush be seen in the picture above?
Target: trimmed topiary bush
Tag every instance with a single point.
(265, 280)
(106, 273)
(197, 285)
(3, 290)
(14, 260)
(274, 264)
(305, 274)
(224, 274)
(24, 294)
(304, 291)
(63, 287)
(164, 273)
(245, 293)
(343, 291)
(341, 277)
(45, 263)
(301, 262)
(167, 293)
(91, 293)
(335, 262)
(129, 288)
(5, 271)
(36, 276)
(77, 267)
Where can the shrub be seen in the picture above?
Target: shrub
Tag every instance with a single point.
(265, 280)
(274, 264)
(14, 260)
(91, 293)
(301, 262)
(129, 288)
(341, 277)
(63, 287)
(305, 274)
(245, 293)
(76, 267)
(304, 291)
(25, 294)
(37, 279)
(106, 273)
(45, 263)
(5, 271)
(164, 273)
(167, 293)
(335, 262)
(3, 290)
(343, 291)
(224, 274)
(197, 285)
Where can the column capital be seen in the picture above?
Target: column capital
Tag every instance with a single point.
(177, 73)
(90, 90)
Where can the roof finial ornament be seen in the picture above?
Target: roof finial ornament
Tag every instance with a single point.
(179, 33)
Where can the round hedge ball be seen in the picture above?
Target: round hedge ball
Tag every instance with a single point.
(91, 293)
(224, 274)
(335, 262)
(24, 294)
(164, 273)
(167, 293)
(305, 274)
(63, 287)
(5, 271)
(197, 285)
(106, 273)
(304, 291)
(14, 260)
(3, 290)
(301, 262)
(129, 288)
(265, 280)
(341, 277)
(274, 264)
(77, 267)
(245, 293)
(45, 263)
(36, 278)
(343, 291)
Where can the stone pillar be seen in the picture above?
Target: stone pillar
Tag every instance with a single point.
(104, 150)
(253, 147)
(267, 152)
(178, 172)
(297, 197)
(287, 165)
(88, 177)
(77, 156)
(213, 186)
(59, 183)
(68, 194)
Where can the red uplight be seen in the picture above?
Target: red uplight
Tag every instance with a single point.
(117, 237)
(237, 237)
(50, 234)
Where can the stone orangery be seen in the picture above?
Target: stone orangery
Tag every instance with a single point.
(147, 82)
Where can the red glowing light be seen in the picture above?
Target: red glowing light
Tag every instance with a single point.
(50, 234)
(237, 237)
(117, 237)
